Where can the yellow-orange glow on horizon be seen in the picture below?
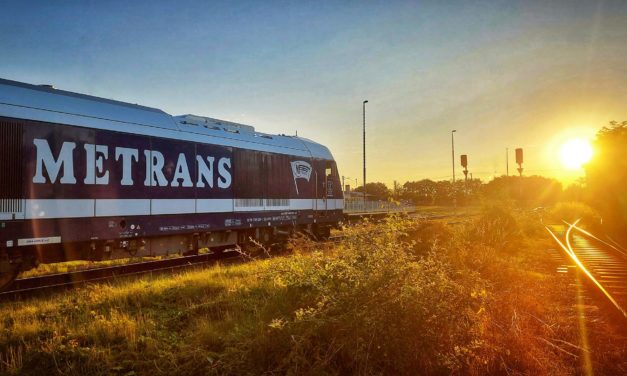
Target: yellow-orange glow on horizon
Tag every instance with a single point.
(575, 152)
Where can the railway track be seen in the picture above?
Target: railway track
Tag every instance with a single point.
(44, 283)
(603, 263)
(22, 287)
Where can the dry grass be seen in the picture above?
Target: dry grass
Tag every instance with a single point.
(392, 298)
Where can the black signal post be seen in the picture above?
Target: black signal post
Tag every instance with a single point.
(464, 161)
(519, 160)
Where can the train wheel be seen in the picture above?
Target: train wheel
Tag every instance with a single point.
(279, 246)
(95, 252)
(218, 250)
(8, 273)
(192, 247)
(252, 248)
(322, 232)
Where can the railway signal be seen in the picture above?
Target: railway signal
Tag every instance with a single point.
(519, 160)
(519, 156)
(464, 161)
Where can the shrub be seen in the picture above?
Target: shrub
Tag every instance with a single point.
(371, 307)
(572, 211)
(429, 236)
(495, 227)
(398, 297)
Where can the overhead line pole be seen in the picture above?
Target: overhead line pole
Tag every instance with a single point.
(364, 144)
(453, 158)
(453, 152)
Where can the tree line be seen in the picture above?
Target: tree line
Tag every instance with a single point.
(604, 186)
(526, 191)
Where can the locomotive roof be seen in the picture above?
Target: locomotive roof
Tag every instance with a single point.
(45, 103)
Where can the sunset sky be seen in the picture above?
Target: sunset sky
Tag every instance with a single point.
(503, 75)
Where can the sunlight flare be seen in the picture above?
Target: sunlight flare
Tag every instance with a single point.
(575, 153)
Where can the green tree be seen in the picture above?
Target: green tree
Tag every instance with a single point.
(606, 175)
(376, 191)
(576, 192)
(528, 191)
(444, 193)
(420, 192)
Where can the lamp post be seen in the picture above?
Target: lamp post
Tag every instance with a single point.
(364, 144)
(453, 156)
(453, 153)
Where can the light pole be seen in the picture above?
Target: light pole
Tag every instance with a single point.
(453, 156)
(364, 132)
(453, 153)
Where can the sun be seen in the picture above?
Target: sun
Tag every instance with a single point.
(575, 153)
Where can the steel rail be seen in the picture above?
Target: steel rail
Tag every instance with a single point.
(570, 252)
(30, 285)
(71, 279)
(595, 238)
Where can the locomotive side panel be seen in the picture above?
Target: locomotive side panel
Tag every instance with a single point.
(11, 170)
(55, 168)
(83, 185)
(122, 174)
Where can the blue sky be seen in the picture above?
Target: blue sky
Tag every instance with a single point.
(531, 74)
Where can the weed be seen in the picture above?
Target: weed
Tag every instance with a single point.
(397, 297)
(572, 211)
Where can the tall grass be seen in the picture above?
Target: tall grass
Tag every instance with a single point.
(370, 306)
(572, 211)
(399, 297)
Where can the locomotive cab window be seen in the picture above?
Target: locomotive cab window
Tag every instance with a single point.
(328, 169)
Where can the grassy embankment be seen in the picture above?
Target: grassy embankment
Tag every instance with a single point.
(79, 265)
(401, 297)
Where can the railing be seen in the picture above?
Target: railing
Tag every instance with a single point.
(375, 207)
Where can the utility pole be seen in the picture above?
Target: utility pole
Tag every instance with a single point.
(453, 153)
(364, 144)
(453, 158)
(507, 161)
